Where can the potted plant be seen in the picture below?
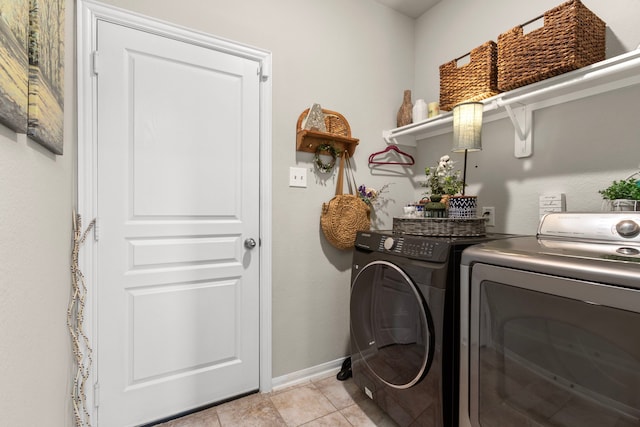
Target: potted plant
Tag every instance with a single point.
(446, 183)
(624, 195)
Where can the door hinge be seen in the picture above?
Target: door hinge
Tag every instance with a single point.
(95, 62)
(96, 395)
(262, 73)
(96, 230)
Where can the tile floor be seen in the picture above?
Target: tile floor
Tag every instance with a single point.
(321, 402)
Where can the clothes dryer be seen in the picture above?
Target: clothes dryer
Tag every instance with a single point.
(549, 335)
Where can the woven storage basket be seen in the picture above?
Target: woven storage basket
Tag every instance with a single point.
(474, 81)
(572, 37)
(445, 227)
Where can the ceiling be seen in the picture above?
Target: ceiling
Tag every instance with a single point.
(411, 8)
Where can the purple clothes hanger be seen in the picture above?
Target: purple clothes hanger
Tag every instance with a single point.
(410, 160)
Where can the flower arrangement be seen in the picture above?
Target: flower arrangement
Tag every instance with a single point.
(443, 179)
(371, 196)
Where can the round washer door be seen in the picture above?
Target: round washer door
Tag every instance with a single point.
(391, 325)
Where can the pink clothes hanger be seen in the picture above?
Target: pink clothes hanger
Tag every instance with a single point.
(409, 161)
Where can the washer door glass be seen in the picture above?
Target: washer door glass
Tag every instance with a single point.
(391, 325)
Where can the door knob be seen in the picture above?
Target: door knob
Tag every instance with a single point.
(249, 243)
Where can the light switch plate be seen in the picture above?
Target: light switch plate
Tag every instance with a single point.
(297, 177)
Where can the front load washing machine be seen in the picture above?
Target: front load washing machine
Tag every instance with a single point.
(405, 324)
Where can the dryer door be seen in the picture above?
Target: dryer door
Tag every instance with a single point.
(391, 325)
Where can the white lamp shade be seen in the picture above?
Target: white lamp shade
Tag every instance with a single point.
(467, 126)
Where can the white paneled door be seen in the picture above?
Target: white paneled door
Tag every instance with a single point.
(178, 210)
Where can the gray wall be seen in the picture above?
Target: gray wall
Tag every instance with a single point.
(579, 147)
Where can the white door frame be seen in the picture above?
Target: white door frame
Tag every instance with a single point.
(88, 13)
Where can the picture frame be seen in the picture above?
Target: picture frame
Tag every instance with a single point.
(46, 73)
(14, 83)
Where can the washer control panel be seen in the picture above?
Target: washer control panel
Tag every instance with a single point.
(603, 226)
(414, 247)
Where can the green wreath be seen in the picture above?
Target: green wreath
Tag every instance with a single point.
(326, 148)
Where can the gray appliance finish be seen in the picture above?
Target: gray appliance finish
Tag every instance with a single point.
(404, 324)
(550, 324)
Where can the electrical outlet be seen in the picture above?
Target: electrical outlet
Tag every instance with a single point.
(489, 212)
(297, 177)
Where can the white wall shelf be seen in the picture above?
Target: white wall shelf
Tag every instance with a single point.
(518, 104)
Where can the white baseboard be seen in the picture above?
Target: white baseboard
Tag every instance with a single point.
(309, 374)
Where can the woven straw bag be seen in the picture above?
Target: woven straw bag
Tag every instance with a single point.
(346, 214)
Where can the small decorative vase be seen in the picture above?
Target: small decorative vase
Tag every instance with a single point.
(463, 206)
(406, 110)
(419, 112)
(435, 198)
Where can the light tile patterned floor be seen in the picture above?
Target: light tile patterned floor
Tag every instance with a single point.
(323, 402)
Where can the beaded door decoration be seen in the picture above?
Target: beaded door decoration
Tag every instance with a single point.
(82, 351)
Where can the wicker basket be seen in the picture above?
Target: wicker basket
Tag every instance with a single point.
(474, 81)
(335, 122)
(572, 37)
(338, 133)
(445, 227)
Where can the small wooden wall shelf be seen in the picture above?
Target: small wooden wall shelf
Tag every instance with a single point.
(338, 134)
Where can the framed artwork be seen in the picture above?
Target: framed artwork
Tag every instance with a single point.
(46, 73)
(14, 64)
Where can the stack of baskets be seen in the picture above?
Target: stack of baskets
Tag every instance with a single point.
(572, 37)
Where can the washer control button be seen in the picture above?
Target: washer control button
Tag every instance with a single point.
(628, 228)
(389, 243)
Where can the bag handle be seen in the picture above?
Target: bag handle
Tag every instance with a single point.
(345, 163)
(340, 183)
(351, 179)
